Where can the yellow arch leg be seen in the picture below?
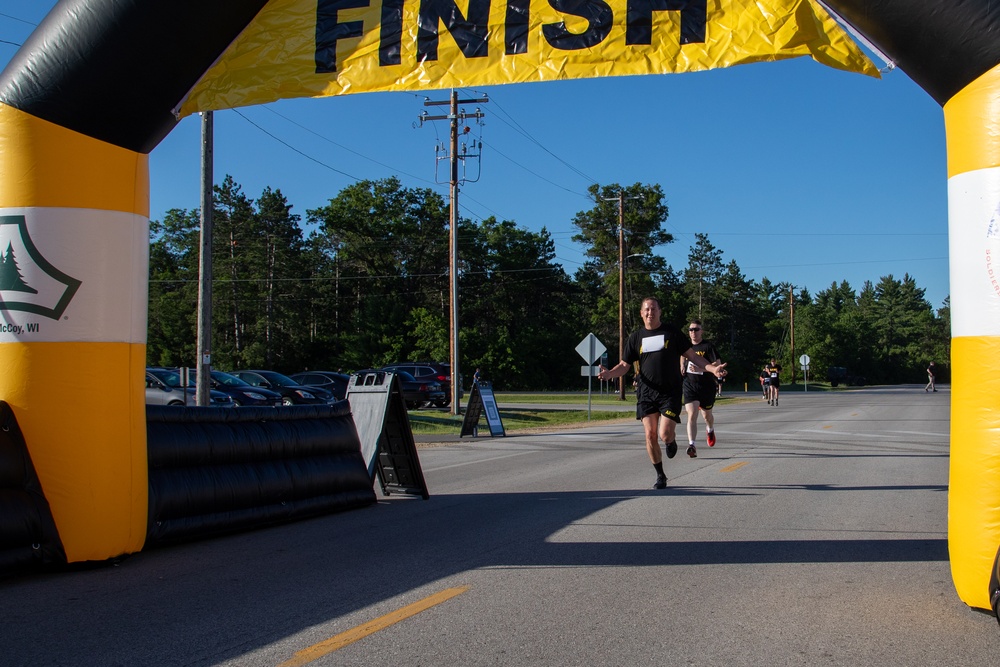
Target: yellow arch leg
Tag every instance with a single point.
(74, 218)
(972, 120)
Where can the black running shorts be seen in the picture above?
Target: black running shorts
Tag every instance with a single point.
(649, 401)
(701, 388)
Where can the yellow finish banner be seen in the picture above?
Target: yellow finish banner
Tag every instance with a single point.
(319, 48)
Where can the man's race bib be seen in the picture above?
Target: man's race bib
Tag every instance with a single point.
(652, 344)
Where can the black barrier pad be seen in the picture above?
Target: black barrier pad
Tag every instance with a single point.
(28, 534)
(219, 470)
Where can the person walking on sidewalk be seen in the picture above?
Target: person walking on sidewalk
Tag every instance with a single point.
(699, 389)
(655, 349)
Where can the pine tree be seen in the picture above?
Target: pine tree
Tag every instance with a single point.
(10, 274)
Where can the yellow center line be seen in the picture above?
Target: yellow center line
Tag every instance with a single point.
(735, 466)
(337, 642)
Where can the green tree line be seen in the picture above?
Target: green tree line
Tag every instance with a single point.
(369, 286)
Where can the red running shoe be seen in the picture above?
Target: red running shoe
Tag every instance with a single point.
(711, 438)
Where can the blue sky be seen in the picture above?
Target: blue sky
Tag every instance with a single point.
(799, 172)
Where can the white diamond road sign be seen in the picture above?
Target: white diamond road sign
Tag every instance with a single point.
(591, 349)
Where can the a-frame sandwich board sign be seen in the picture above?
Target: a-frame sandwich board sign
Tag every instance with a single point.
(482, 401)
(383, 424)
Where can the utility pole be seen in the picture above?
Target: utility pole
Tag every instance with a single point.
(453, 157)
(621, 282)
(791, 326)
(203, 384)
(701, 282)
(621, 287)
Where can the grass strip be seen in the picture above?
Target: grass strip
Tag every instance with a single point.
(513, 420)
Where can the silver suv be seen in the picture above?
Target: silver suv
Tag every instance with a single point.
(163, 387)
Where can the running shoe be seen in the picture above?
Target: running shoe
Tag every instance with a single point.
(711, 438)
(671, 450)
(692, 452)
(661, 482)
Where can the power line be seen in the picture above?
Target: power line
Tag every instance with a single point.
(19, 20)
(14, 18)
(344, 277)
(871, 261)
(785, 234)
(517, 127)
(463, 205)
(293, 148)
(349, 150)
(515, 162)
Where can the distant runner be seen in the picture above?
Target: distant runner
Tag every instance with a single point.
(773, 372)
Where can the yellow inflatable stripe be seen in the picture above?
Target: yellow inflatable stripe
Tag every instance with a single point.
(91, 448)
(974, 480)
(47, 165)
(968, 117)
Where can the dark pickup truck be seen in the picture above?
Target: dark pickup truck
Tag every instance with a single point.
(837, 375)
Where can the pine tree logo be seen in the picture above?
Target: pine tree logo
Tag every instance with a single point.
(28, 281)
(10, 275)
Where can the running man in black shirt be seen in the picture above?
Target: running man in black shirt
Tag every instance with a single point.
(656, 349)
(699, 388)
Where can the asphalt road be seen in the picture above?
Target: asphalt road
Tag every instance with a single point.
(814, 533)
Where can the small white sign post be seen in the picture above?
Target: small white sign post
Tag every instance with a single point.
(804, 362)
(591, 349)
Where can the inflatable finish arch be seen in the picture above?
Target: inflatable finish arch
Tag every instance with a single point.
(952, 51)
(83, 103)
(95, 89)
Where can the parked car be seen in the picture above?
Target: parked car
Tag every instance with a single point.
(244, 393)
(163, 387)
(415, 392)
(428, 371)
(335, 383)
(836, 375)
(292, 393)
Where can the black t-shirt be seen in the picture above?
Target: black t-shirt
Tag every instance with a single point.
(707, 350)
(658, 352)
(773, 372)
